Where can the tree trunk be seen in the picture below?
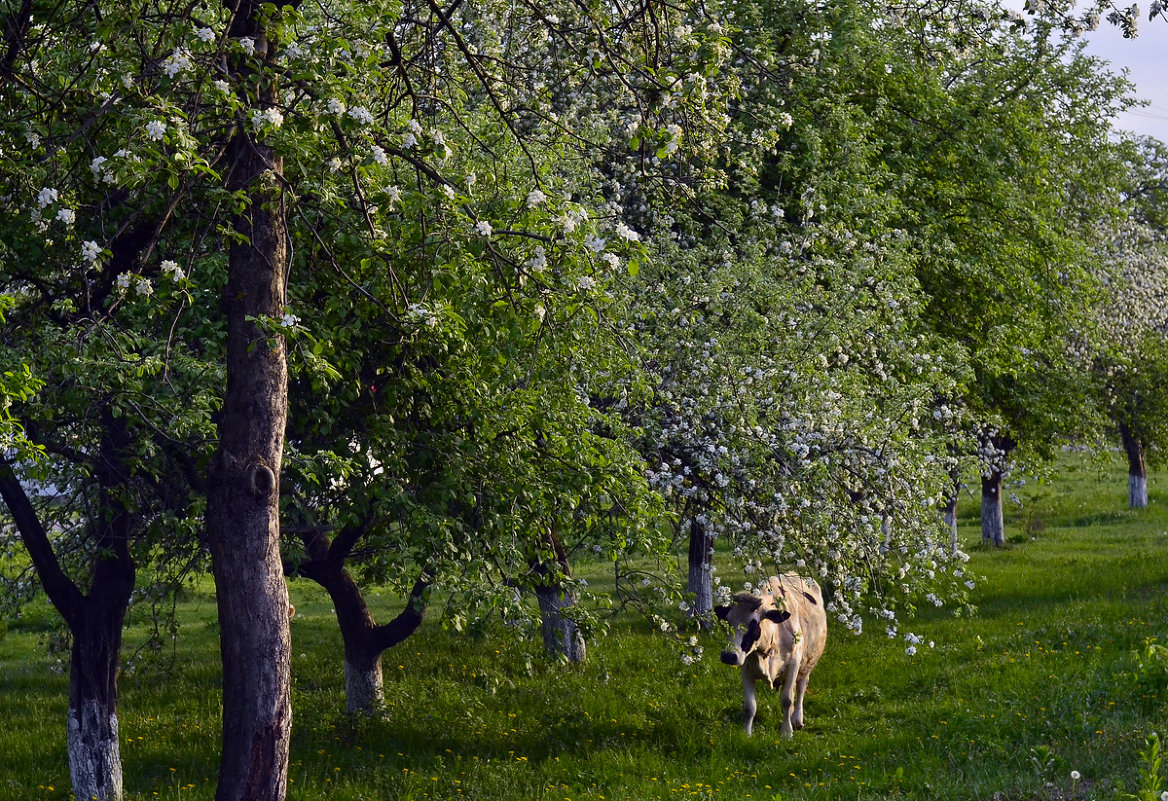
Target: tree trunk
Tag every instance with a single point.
(95, 620)
(364, 687)
(243, 509)
(992, 521)
(701, 573)
(1137, 469)
(365, 641)
(95, 763)
(950, 516)
(561, 634)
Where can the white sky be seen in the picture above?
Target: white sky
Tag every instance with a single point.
(1147, 59)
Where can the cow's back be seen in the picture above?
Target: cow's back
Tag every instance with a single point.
(804, 600)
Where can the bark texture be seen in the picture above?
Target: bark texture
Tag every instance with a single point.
(1137, 469)
(243, 525)
(993, 526)
(365, 641)
(701, 573)
(95, 761)
(94, 619)
(561, 634)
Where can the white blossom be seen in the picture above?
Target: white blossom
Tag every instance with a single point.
(178, 61)
(171, 268)
(288, 320)
(155, 129)
(90, 251)
(143, 287)
(248, 45)
(535, 197)
(67, 216)
(624, 232)
(361, 115)
(379, 155)
(47, 196)
(483, 228)
(205, 34)
(269, 116)
(594, 243)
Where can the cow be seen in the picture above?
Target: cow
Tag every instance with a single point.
(778, 634)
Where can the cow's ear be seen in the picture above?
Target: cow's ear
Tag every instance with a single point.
(722, 612)
(776, 615)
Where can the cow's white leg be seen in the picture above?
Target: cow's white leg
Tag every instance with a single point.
(800, 688)
(751, 704)
(788, 700)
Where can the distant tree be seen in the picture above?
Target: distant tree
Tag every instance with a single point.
(1005, 170)
(1130, 349)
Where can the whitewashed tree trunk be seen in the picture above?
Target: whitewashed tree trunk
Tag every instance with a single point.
(95, 619)
(561, 634)
(993, 526)
(364, 687)
(95, 762)
(364, 639)
(701, 573)
(1137, 469)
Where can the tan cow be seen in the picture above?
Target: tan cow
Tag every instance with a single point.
(778, 635)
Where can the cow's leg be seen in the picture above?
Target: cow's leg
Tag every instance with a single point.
(751, 704)
(800, 688)
(789, 679)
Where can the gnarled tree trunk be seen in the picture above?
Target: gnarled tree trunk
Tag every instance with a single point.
(1137, 469)
(243, 509)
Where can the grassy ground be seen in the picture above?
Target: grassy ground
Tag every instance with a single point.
(1043, 681)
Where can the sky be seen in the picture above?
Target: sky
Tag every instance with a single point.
(1147, 58)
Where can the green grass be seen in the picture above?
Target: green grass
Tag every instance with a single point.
(1041, 682)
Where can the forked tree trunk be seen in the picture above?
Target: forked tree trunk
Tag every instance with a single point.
(95, 620)
(243, 509)
(993, 527)
(365, 641)
(561, 633)
(1137, 469)
(701, 573)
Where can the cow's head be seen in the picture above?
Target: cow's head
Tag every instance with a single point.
(746, 616)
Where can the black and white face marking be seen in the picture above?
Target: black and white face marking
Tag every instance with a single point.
(746, 618)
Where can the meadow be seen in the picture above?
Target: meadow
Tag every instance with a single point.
(1048, 692)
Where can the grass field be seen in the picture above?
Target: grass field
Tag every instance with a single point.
(1045, 680)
